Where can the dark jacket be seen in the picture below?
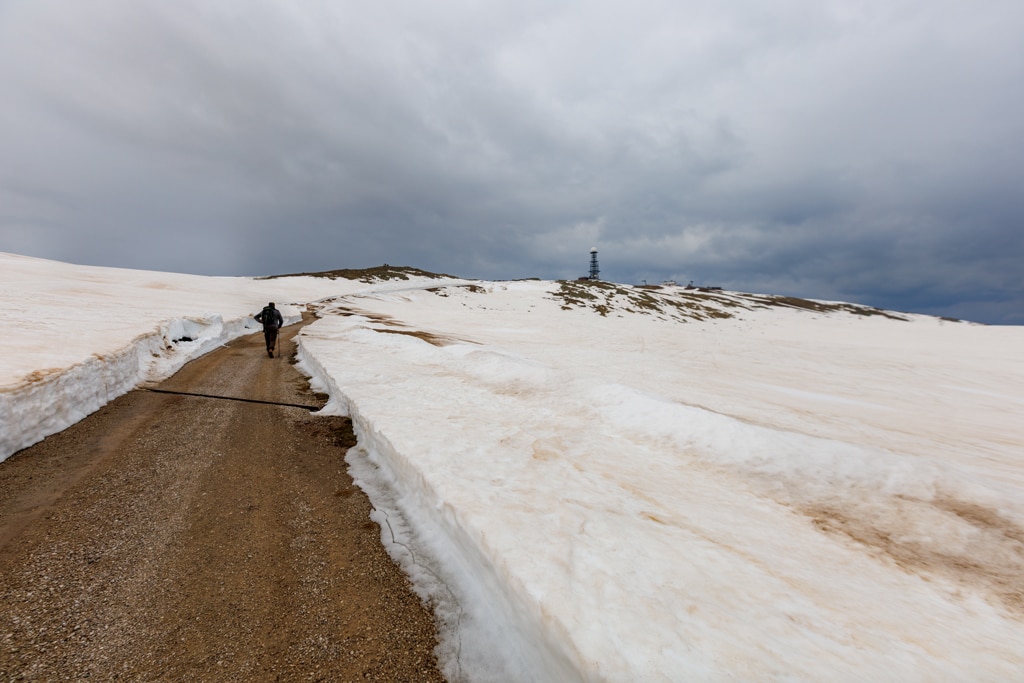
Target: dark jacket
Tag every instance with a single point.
(270, 317)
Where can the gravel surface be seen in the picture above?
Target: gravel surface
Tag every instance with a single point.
(170, 537)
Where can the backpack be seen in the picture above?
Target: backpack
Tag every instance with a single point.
(269, 317)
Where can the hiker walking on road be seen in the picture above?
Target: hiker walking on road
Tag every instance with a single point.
(272, 320)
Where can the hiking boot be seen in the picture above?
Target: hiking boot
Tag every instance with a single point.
(270, 352)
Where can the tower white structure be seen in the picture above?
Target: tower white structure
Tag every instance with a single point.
(594, 272)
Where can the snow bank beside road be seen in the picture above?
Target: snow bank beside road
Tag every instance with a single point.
(45, 403)
(490, 630)
(624, 497)
(79, 337)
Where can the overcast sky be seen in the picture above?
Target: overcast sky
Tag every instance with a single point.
(864, 150)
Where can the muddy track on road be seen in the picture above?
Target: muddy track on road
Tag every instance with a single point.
(174, 537)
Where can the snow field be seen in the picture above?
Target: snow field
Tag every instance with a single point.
(639, 495)
(648, 538)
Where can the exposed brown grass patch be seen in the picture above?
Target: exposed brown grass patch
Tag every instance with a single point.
(367, 275)
(443, 291)
(822, 307)
(606, 297)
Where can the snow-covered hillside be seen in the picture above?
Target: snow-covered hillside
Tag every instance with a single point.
(600, 482)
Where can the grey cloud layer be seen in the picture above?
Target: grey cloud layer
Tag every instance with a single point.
(865, 151)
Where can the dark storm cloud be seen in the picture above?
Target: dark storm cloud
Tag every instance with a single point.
(865, 151)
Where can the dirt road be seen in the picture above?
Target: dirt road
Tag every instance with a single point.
(171, 537)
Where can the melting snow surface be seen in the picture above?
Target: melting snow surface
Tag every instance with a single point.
(622, 484)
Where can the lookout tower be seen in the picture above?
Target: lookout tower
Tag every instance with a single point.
(594, 272)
